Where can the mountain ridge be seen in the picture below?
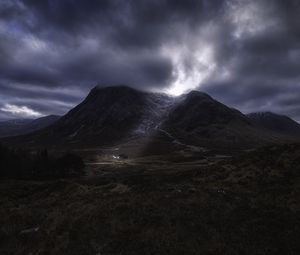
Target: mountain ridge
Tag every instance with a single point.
(16, 127)
(112, 115)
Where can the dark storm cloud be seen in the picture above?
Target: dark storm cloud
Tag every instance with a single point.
(245, 53)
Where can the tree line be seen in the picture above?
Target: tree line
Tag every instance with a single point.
(22, 164)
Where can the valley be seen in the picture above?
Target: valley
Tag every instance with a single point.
(248, 204)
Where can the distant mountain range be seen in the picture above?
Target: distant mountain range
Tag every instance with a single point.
(112, 115)
(25, 126)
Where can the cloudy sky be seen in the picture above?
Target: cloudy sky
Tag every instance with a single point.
(244, 53)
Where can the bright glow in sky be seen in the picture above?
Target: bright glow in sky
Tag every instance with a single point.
(186, 76)
(20, 111)
(241, 52)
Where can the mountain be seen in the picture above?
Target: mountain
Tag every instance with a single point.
(106, 116)
(110, 114)
(198, 119)
(25, 126)
(276, 123)
(115, 115)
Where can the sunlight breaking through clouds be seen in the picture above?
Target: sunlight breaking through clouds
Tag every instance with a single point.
(190, 69)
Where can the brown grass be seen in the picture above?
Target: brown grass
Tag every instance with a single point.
(240, 206)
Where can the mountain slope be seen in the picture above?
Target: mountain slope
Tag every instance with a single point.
(198, 119)
(275, 123)
(25, 126)
(198, 109)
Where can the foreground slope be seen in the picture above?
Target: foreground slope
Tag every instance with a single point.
(245, 205)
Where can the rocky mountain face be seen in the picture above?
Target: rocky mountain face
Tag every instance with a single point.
(112, 115)
(25, 126)
(275, 123)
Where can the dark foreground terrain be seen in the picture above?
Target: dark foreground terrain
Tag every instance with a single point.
(248, 204)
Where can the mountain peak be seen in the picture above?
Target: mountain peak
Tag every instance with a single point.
(115, 88)
(198, 93)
